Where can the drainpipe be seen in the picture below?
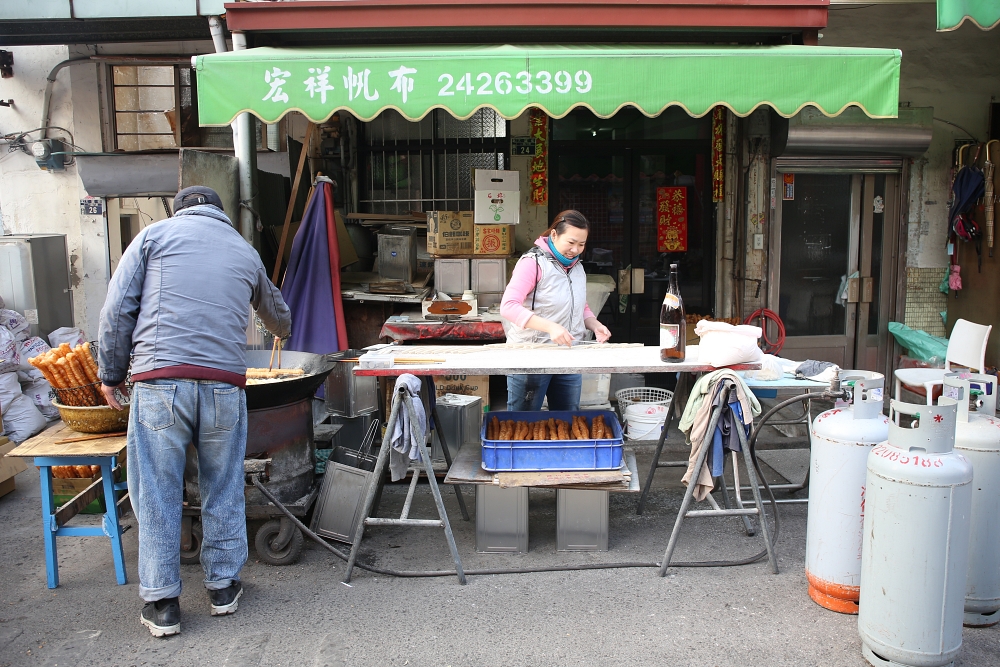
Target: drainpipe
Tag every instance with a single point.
(50, 82)
(245, 146)
(218, 36)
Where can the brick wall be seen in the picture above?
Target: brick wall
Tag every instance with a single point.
(924, 300)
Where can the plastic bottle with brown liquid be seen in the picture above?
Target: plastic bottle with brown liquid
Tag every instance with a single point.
(673, 326)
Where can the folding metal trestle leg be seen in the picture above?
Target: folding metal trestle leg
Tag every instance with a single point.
(402, 401)
(716, 511)
(679, 388)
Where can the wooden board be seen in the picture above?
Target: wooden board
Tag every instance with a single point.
(43, 444)
(467, 469)
(554, 359)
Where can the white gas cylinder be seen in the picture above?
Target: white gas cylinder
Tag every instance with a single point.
(915, 554)
(977, 437)
(840, 440)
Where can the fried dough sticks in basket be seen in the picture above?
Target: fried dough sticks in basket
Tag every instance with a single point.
(72, 372)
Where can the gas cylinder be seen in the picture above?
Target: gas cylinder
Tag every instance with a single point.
(840, 440)
(977, 437)
(915, 553)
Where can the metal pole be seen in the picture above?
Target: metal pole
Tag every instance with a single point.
(245, 148)
(689, 493)
(752, 475)
(432, 481)
(682, 382)
(372, 487)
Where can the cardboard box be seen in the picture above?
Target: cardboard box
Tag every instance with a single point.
(9, 468)
(467, 385)
(494, 240)
(450, 233)
(64, 490)
(498, 197)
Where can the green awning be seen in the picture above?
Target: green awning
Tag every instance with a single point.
(270, 82)
(953, 13)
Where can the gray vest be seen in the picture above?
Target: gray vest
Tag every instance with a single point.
(559, 296)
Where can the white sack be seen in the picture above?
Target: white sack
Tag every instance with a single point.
(41, 394)
(10, 360)
(14, 322)
(22, 419)
(770, 369)
(9, 390)
(28, 348)
(70, 335)
(723, 344)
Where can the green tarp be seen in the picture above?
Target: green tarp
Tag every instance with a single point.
(952, 13)
(270, 82)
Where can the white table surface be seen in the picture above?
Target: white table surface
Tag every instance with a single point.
(555, 359)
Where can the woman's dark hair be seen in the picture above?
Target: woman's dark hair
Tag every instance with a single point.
(568, 218)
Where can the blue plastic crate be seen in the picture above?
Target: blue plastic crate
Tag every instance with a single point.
(544, 455)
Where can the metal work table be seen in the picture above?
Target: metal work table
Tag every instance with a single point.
(108, 453)
(362, 295)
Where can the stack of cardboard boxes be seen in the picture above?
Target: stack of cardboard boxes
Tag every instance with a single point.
(470, 251)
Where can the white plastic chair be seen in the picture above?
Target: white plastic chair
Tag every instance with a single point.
(966, 347)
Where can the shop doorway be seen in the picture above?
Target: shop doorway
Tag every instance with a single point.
(612, 171)
(833, 265)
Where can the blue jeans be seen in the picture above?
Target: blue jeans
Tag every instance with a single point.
(526, 392)
(166, 416)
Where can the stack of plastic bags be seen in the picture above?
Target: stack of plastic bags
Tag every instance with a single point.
(25, 397)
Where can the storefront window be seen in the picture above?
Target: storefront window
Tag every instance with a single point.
(630, 124)
(145, 100)
(427, 165)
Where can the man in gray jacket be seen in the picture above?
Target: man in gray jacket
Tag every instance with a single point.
(178, 307)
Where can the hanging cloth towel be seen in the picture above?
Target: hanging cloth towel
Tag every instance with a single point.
(698, 412)
(311, 286)
(406, 434)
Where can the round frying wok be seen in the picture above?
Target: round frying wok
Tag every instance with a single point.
(295, 388)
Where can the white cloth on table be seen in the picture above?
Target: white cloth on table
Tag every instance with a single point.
(406, 435)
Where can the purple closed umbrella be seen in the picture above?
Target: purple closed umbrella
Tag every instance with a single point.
(311, 287)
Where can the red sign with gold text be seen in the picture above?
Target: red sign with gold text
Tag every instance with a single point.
(671, 219)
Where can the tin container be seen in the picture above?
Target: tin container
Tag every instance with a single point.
(581, 520)
(489, 279)
(451, 276)
(346, 394)
(501, 519)
(397, 253)
(460, 417)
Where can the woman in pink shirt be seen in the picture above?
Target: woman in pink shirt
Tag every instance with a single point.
(546, 302)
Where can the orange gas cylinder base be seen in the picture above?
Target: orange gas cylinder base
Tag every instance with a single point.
(835, 597)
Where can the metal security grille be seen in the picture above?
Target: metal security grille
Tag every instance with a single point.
(428, 165)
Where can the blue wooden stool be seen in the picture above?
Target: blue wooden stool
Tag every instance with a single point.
(60, 446)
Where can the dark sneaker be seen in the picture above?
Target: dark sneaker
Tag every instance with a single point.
(163, 617)
(226, 600)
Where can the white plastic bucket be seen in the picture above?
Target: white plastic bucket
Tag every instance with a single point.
(645, 420)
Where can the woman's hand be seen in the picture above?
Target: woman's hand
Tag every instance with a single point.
(601, 332)
(559, 335)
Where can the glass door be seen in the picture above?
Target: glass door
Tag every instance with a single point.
(828, 281)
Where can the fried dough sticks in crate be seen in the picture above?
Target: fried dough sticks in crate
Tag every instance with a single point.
(72, 372)
(549, 429)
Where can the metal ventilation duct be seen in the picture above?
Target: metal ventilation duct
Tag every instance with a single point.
(853, 133)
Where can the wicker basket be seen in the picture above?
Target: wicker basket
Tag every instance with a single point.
(94, 419)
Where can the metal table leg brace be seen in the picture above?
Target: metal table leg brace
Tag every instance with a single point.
(680, 388)
(429, 385)
(401, 401)
(744, 512)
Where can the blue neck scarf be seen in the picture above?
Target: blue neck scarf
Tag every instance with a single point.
(565, 261)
